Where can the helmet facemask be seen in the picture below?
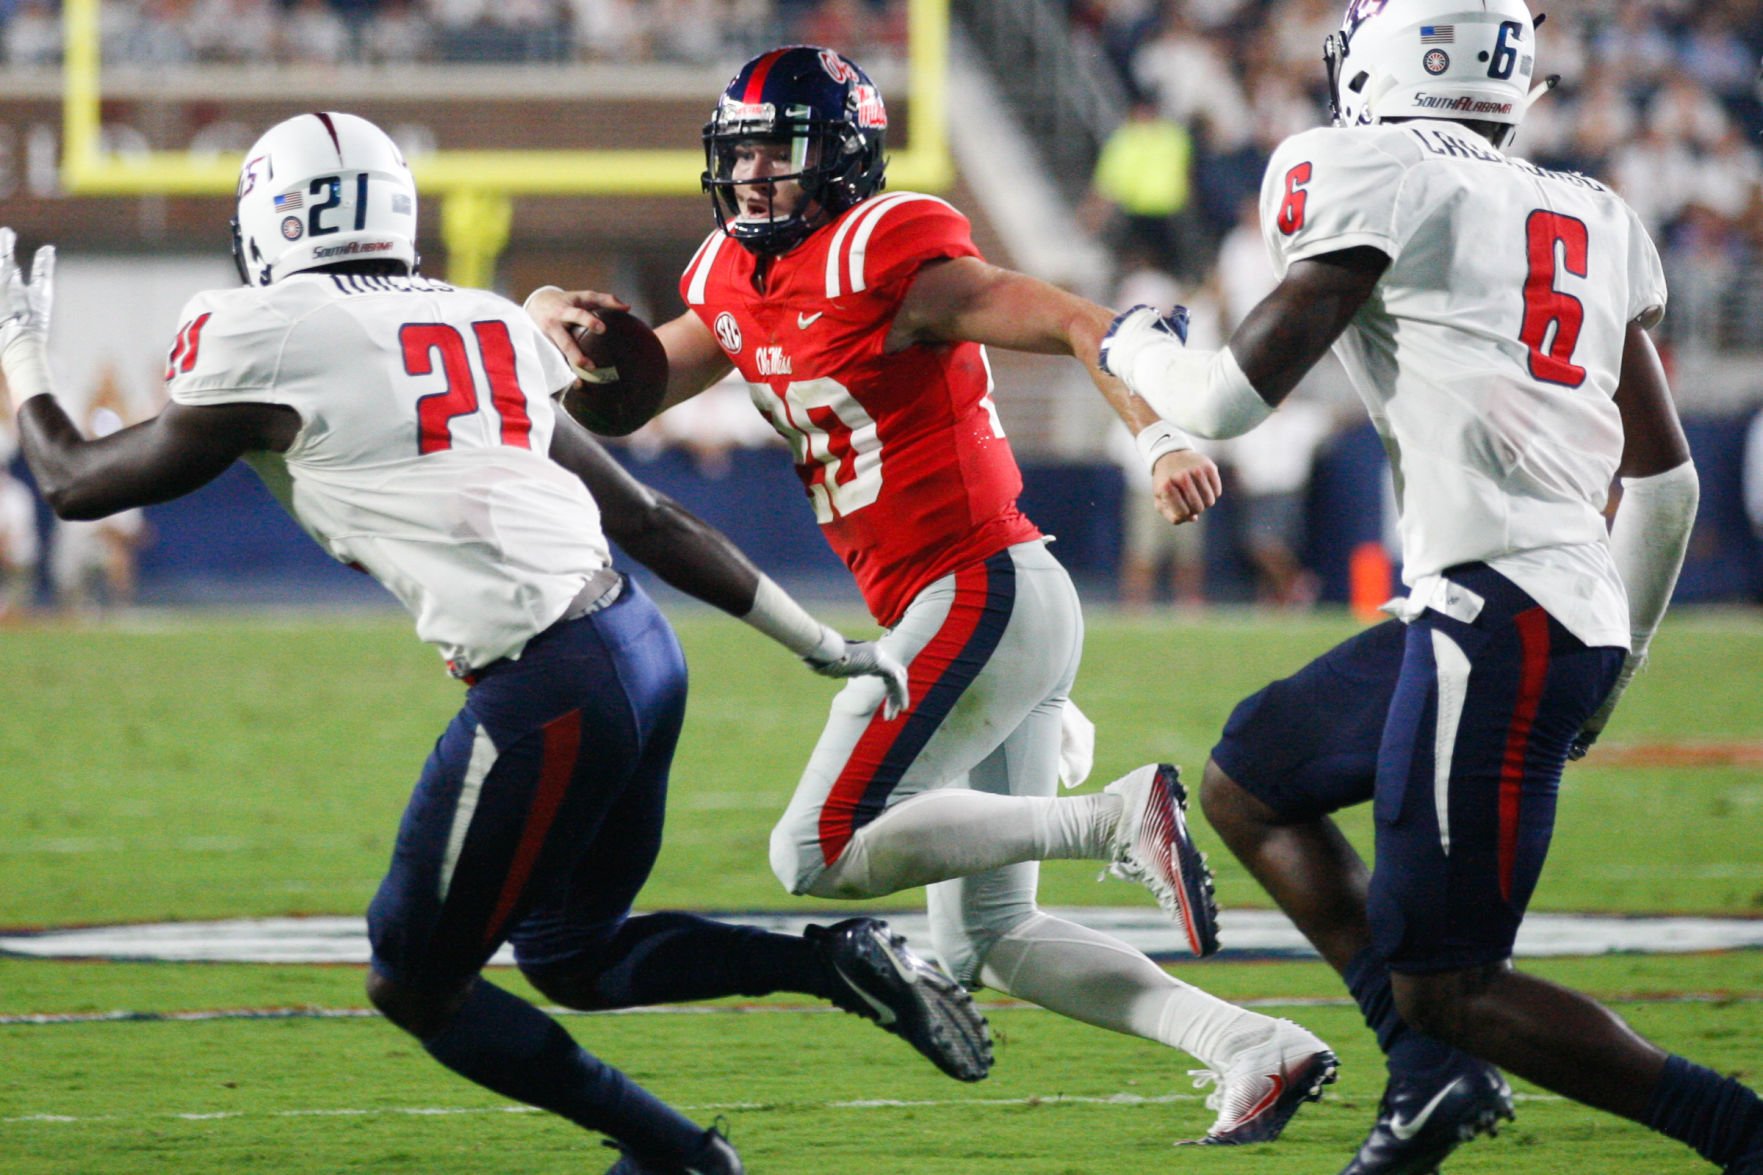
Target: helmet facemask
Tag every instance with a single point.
(821, 111)
(733, 177)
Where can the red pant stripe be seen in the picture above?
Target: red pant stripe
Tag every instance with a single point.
(1533, 636)
(838, 814)
(556, 765)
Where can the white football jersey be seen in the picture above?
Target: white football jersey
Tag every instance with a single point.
(422, 455)
(1489, 354)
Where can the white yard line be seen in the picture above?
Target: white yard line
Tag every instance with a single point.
(990, 1007)
(1051, 1099)
(1245, 933)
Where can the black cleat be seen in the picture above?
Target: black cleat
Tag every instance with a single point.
(877, 977)
(714, 1156)
(1420, 1121)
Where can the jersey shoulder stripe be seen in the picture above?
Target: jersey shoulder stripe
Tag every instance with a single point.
(847, 256)
(699, 267)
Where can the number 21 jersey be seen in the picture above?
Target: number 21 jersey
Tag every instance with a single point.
(1489, 354)
(901, 453)
(422, 456)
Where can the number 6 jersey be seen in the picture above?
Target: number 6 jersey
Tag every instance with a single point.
(1489, 354)
(426, 421)
(901, 453)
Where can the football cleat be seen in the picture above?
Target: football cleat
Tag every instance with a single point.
(878, 978)
(1264, 1085)
(1152, 847)
(714, 1156)
(1420, 1121)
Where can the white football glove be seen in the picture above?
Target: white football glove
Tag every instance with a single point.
(24, 321)
(847, 658)
(24, 305)
(1135, 329)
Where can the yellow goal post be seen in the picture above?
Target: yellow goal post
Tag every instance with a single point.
(476, 188)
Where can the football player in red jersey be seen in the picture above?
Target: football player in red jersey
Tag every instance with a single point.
(859, 320)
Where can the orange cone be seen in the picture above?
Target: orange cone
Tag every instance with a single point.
(1368, 580)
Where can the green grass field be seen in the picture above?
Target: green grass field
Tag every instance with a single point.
(174, 768)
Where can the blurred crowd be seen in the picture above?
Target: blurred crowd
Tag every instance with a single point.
(89, 567)
(391, 32)
(1659, 99)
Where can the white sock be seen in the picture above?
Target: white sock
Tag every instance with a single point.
(956, 832)
(1092, 977)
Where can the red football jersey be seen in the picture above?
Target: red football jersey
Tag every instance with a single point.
(902, 455)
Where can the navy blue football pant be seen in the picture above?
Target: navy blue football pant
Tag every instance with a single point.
(1457, 731)
(538, 815)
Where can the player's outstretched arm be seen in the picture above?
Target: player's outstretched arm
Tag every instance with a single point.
(180, 450)
(694, 360)
(163, 458)
(1226, 393)
(1656, 514)
(964, 299)
(701, 561)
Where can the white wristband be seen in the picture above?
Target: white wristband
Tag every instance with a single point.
(1160, 438)
(527, 305)
(26, 363)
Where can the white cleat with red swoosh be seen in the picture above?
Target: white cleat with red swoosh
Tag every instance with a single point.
(1151, 846)
(1264, 1085)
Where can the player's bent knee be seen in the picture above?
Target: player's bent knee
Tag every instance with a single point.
(421, 1012)
(787, 865)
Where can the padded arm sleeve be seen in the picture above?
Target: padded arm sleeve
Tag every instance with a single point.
(1649, 537)
(1202, 392)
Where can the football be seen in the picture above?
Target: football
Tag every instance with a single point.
(623, 389)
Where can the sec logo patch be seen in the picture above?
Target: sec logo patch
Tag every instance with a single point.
(728, 333)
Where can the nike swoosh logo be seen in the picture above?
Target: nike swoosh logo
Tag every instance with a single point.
(884, 1015)
(1268, 1100)
(804, 321)
(1406, 1130)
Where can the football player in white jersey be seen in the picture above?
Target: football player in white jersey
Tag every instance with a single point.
(1493, 316)
(409, 427)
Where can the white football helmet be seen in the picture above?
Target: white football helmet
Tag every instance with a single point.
(319, 189)
(1454, 59)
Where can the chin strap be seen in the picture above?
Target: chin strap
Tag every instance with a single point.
(1530, 99)
(1541, 88)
